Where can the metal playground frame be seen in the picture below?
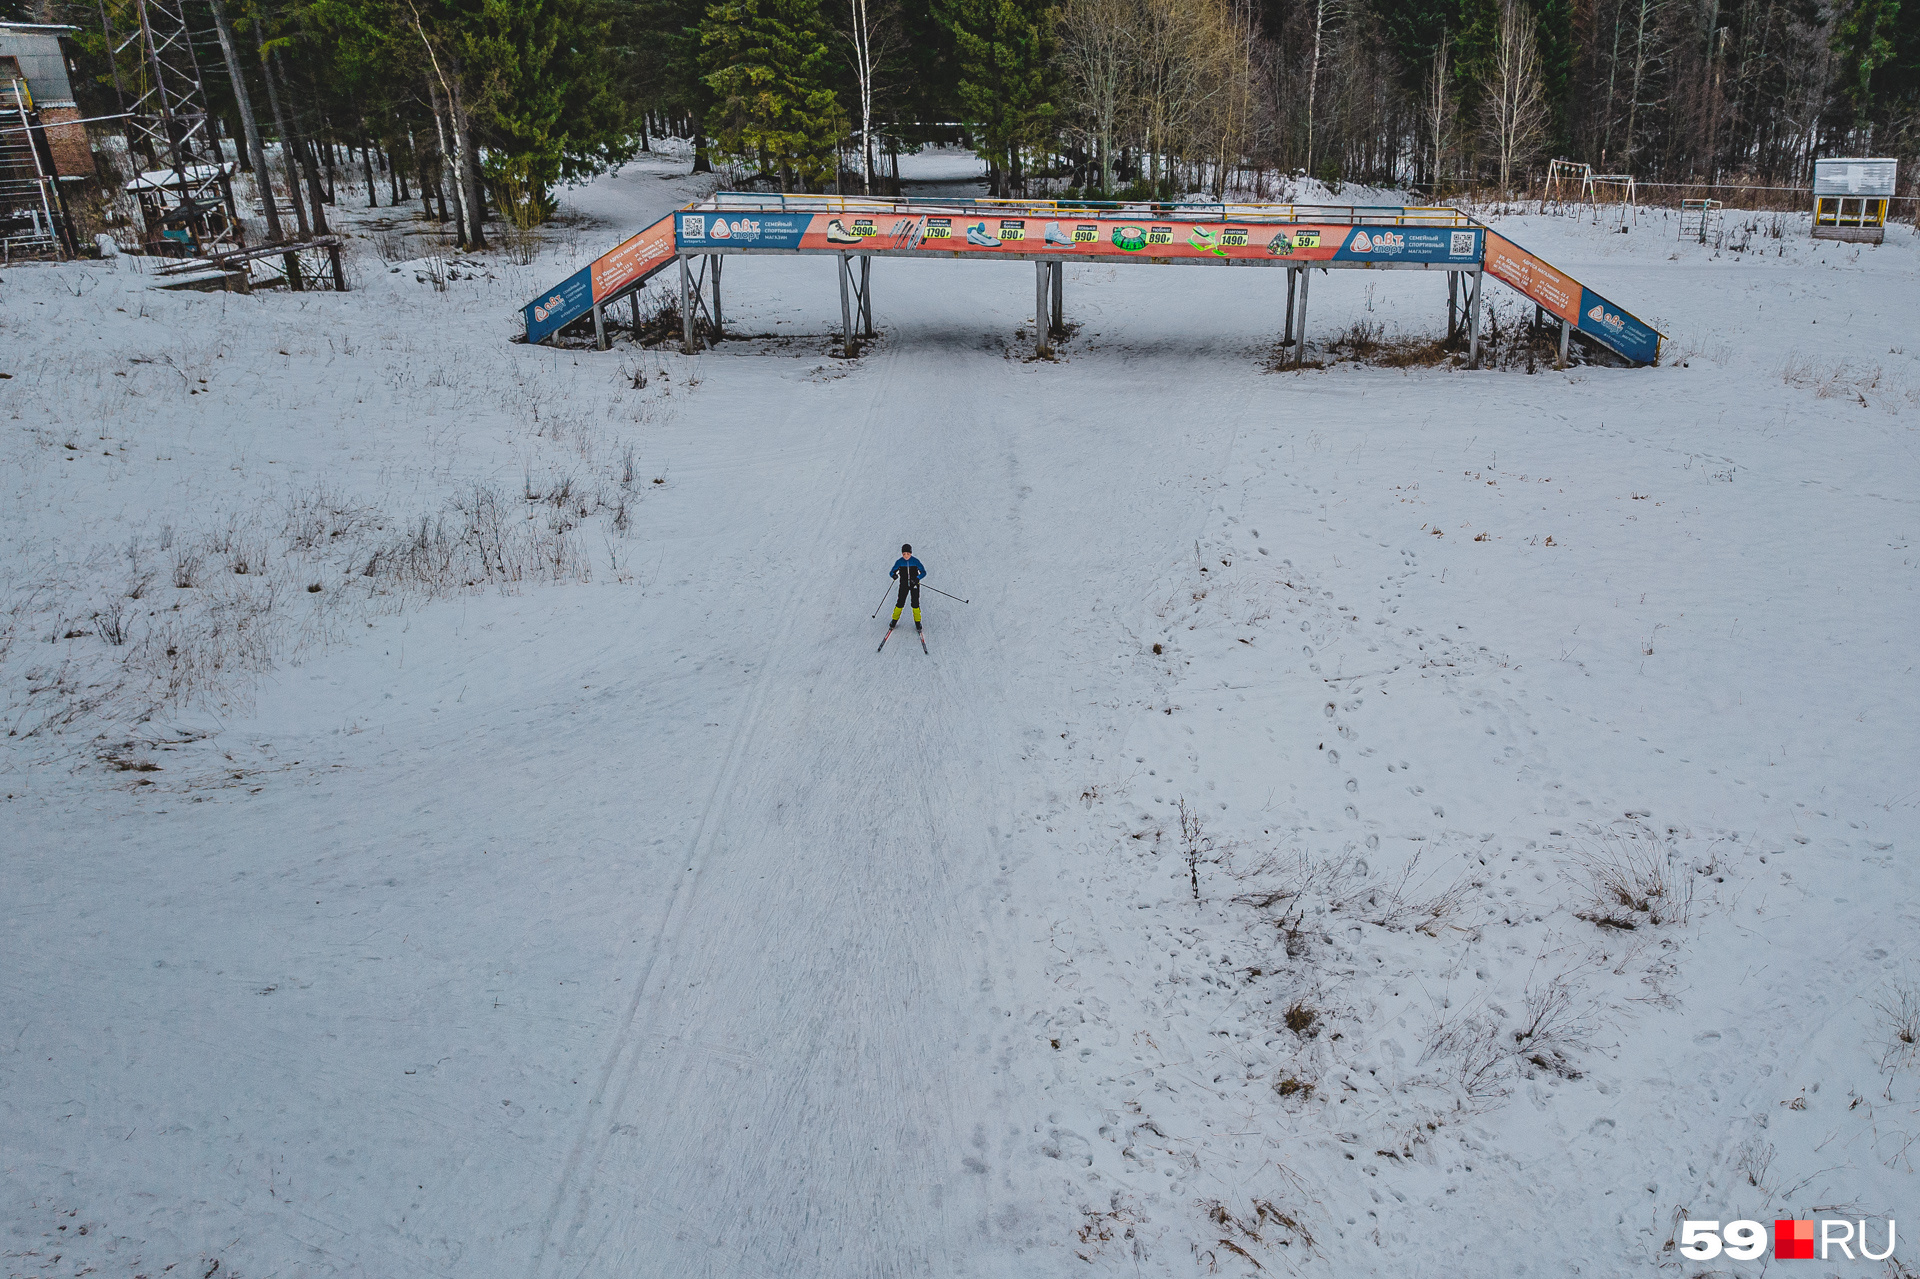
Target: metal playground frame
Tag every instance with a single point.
(1295, 238)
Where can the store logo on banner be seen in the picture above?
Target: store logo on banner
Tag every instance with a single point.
(1827, 1239)
(721, 231)
(1605, 318)
(552, 304)
(1379, 242)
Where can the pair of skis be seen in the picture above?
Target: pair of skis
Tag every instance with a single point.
(889, 635)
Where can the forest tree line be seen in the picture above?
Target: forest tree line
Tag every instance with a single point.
(486, 106)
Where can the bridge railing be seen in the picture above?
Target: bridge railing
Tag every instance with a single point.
(1338, 214)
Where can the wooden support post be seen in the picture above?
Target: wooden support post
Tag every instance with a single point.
(686, 306)
(1473, 318)
(713, 261)
(847, 347)
(1041, 278)
(339, 272)
(1300, 330)
(634, 298)
(1293, 281)
(599, 328)
(1453, 294)
(1565, 328)
(1059, 288)
(866, 296)
(294, 281)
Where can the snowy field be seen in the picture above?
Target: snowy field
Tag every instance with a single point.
(527, 867)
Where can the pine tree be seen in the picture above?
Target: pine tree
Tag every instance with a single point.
(769, 67)
(1005, 87)
(1865, 37)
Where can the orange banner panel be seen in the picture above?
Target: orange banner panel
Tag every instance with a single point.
(1509, 262)
(632, 260)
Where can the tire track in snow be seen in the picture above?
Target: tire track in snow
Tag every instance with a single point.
(551, 1256)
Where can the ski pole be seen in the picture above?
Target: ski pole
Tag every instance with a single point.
(937, 591)
(883, 600)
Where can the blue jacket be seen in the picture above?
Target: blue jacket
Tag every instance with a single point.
(915, 570)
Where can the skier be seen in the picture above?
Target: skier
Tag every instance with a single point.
(909, 572)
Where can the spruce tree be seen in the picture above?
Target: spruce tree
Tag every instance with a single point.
(1005, 86)
(770, 70)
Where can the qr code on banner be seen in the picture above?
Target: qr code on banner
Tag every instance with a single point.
(695, 228)
(1462, 245)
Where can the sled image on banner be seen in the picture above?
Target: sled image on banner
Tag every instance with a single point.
(606, 278)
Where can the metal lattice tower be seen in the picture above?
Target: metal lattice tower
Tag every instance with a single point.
(170, 121)
(171, 115)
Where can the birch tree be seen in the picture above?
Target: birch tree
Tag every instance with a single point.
(1097, 60)
(1515, 108)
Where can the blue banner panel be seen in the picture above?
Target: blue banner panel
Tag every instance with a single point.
(1618, 328)
(1459, 246)
(566, 302)
(735, 230)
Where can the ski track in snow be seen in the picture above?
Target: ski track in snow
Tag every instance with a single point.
(659, 926)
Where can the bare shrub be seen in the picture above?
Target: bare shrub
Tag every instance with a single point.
(1901, 1009)
(1195, 844)
(1346, 885)
(1474, 1054)
(112, 621)
(321, 516)
(186, 570)
(1410, 901)
(1554, 1024)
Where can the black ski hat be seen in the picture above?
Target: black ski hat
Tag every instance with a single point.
(906, 548)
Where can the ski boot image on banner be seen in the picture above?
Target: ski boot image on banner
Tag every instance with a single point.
(978, 237)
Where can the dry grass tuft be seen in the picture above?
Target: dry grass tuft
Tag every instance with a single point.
(1901, 1008)
(1630, 878)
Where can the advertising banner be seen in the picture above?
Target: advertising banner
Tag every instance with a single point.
(566, 302)
(1618, 328)
(1153, 239)
(1567, 299)
(698, 232)
(1533, 277)
(634, 260)
(1438, 245)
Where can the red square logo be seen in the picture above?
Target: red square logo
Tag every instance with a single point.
(1793, 1241)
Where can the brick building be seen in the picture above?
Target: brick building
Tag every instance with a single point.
(32, 53)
